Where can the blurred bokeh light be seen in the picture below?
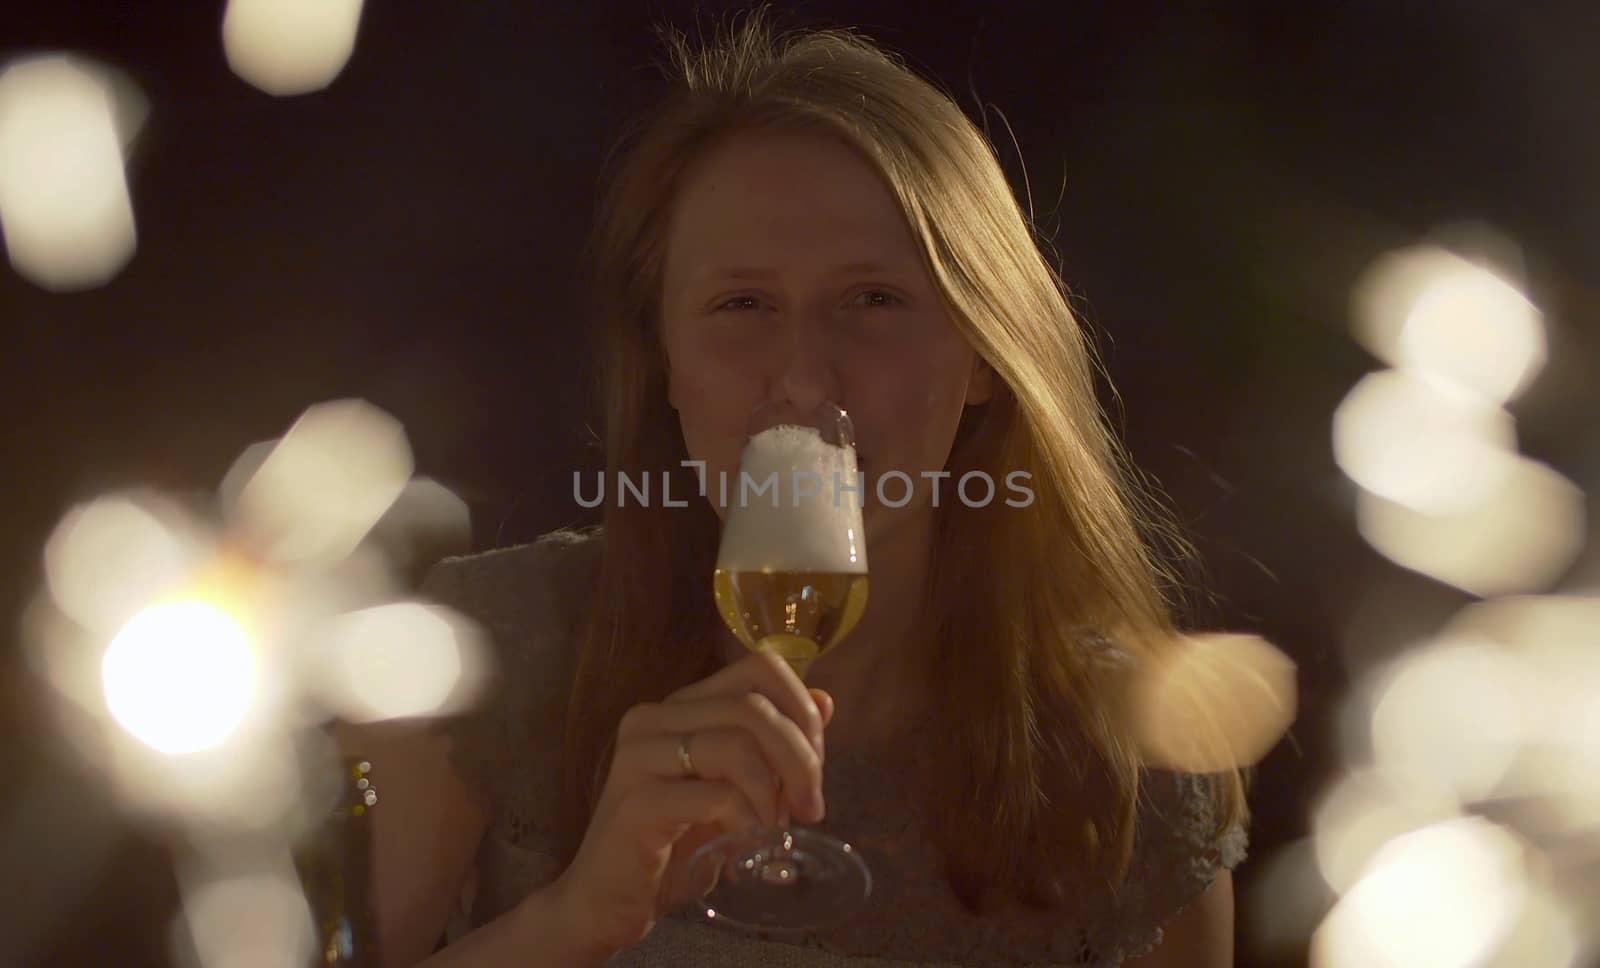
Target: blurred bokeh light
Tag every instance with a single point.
(1447, 895)
(179, 676)
(1460, 323)
(199, 648)
(239, 473)
(1426, 445)
(1555, 640)
(289, 47)
(251, 782)
(110, 557)
(1524, 531)
(64, 203)
(1547, 934)
(324, 486)
(1463, 831)
(1444, 490)
(252, 918)
(426, 523)
(396, 661)
(1450, 716)
(1475, 330)
(1214, 702)
(1362, 811)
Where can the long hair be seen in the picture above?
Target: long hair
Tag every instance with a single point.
(1023, 603)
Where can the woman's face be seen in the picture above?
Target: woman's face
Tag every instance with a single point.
(791, 276)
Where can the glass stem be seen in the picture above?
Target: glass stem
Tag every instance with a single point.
(784, 839)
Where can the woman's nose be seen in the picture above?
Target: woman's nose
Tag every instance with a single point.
(806, 373)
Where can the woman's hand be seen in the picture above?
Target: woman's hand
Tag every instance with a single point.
(754, 735)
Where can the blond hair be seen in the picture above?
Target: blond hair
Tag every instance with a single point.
(1021, 603)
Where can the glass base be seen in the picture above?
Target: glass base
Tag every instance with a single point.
(780, 880)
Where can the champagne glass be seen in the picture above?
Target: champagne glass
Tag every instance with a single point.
(791, 578)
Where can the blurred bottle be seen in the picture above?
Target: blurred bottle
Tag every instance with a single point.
(335, 866)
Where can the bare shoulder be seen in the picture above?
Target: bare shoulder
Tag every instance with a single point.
(1200, 935)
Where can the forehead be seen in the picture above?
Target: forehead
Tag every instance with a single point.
(766, 198)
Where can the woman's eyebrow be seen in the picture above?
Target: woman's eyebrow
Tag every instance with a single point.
(765, 272)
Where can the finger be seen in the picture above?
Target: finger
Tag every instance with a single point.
(783, 751)
(769, 675)
(825, 707)
(730, 756)
(660, 812)
(824, 704)
(780, 737)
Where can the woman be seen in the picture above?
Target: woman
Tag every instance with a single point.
(803, 220)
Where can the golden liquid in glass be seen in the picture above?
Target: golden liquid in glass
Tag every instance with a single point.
(797, 614)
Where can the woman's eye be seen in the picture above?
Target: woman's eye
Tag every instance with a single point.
(877, 298)
(737, 304)
(867, 299)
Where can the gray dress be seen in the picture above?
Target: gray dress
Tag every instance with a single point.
(509, 748)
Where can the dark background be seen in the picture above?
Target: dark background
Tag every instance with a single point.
(1214, 178)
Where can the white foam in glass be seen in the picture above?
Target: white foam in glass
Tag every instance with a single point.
(810, 525)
